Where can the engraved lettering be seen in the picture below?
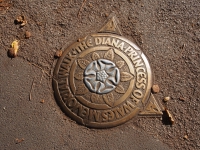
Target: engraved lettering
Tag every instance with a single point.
(78, 108)
(121, 46)
(103, 41)
(104, 116)
(83, 46)
(115, 42)
(140, 85)
(94, 114)
(138, 63)
(77, 49)
(98, 41)
(128, 106)
(64, 69)
(120, 110)
(138, 94)
(108, 42)
(89, 42)
(140, 68)
(128, 49)
(134, 99)
(84, 113)
(111, 115)
(116, 113)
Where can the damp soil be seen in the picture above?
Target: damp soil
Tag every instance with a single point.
(167, 31)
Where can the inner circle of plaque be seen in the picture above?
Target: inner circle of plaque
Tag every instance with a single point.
(101, 76)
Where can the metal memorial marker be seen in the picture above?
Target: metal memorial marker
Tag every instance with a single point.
(104, 80)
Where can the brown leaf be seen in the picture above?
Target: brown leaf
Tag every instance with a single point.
(119, 89)
(78, 76)
(83, 63)
(109, 54)
(81, 90)
(120, 64)
(95, 56)
(125, 76)
(171, 118)
(19, 140)
(109, 99)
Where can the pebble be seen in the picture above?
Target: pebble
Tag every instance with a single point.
(155, 88)
(182, 99)
(106, 14)
(58, 54)
(27, 34)
(42, 101)
(185, 137)
(166, 99)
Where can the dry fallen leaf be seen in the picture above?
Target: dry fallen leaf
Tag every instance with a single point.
(23, 23)
(21, 20)
(12, 52)
(171, 119)
(19, 140)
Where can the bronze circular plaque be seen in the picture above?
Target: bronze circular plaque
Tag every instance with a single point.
(102, 80)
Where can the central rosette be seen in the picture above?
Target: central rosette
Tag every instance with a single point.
(101, 76)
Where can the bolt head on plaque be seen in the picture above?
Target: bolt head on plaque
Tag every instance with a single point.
(104, 80)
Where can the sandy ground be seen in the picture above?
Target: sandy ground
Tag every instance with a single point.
(167, 31)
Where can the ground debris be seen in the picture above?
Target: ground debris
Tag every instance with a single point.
(4, 4)
(167, 117)
(30, 97)
(155, 88)
(166, 99)
(181, 98)
(58, 53)
(42, 101)
(21, 20)
(185, 137)
(12, 52)
(27, 34)
(17, 141)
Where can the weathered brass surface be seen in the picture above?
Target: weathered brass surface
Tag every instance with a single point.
(104, 80)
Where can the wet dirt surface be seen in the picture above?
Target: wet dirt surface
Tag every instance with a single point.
(167, 31)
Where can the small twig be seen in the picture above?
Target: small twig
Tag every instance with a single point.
(41, 76)
(31, 89)
(41, 69)
(83, 3)
(181, 53)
